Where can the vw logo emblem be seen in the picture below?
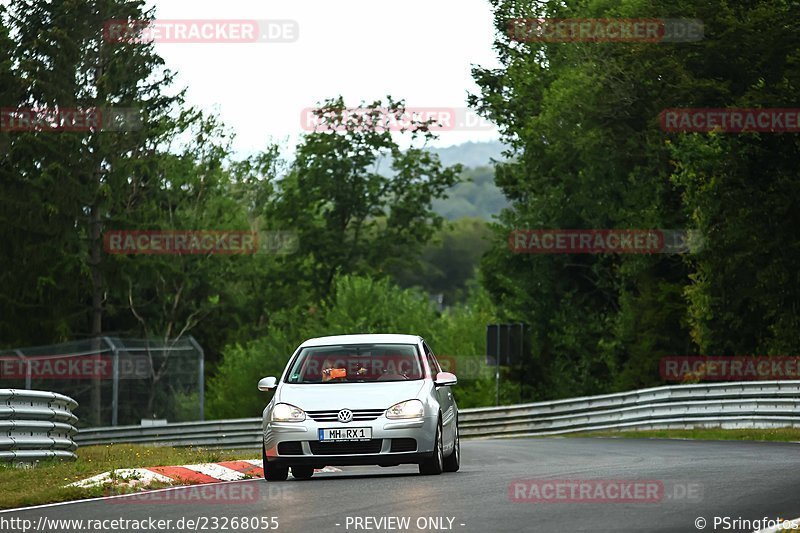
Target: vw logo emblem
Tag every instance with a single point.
(345, 415)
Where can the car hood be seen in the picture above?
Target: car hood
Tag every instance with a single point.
(328, 396)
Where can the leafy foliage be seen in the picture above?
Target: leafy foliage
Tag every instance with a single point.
(359, 305)
(582, 119)
(449, 262)
(585, 150)
(349, 217)
(476, 196)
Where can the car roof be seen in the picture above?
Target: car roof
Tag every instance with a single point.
(372, 338)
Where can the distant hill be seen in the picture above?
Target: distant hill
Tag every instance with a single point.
(477, 196)
(471, 154)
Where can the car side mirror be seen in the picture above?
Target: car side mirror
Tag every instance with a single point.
(268, 383)
(445, 378)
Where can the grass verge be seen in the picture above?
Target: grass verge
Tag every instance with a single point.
(45, 481)
(773, 435)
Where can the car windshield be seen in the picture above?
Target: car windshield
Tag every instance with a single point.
(359, 363)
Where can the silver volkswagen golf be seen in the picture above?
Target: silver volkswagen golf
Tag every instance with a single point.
(360, 400)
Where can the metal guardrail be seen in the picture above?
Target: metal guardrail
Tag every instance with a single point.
(728, 405)
(36, 425)
(753, 404)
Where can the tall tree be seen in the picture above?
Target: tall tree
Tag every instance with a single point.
(742, 190)
(582, 118)
(127, 172)
(349, 217)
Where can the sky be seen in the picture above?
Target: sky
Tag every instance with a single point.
(418, 50)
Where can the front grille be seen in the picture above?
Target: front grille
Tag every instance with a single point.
(359, 415)
(292, 447)
(345, 448)
(404, 445)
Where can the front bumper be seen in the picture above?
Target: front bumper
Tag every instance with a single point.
(298, 442)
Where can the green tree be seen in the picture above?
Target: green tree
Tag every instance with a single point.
(475, 196)
(582, 120)
(741, 190)
(165, 168)
(349, 217)
(449, 263)
(357, 305)
(76, 182)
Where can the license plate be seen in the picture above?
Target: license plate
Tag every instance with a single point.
(338, 434)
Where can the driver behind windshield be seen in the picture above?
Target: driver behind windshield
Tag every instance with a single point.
(331, 372)
(356, 364)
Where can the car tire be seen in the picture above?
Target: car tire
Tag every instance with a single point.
(273, 472)
(302, 472)
(453, 461)
(434, 465)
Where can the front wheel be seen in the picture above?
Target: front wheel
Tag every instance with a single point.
(434, 465)
(273, 472)
(453, 461)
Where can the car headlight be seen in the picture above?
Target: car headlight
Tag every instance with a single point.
(283, 412)
(407, 409)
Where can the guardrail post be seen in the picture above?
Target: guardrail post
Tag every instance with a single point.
(201, 392)
(28, 373)
(115, 382)
(497, 372)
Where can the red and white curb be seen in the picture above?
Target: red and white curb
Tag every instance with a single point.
(191, 474)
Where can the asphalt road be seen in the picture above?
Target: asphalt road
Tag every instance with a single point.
(668, 484)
